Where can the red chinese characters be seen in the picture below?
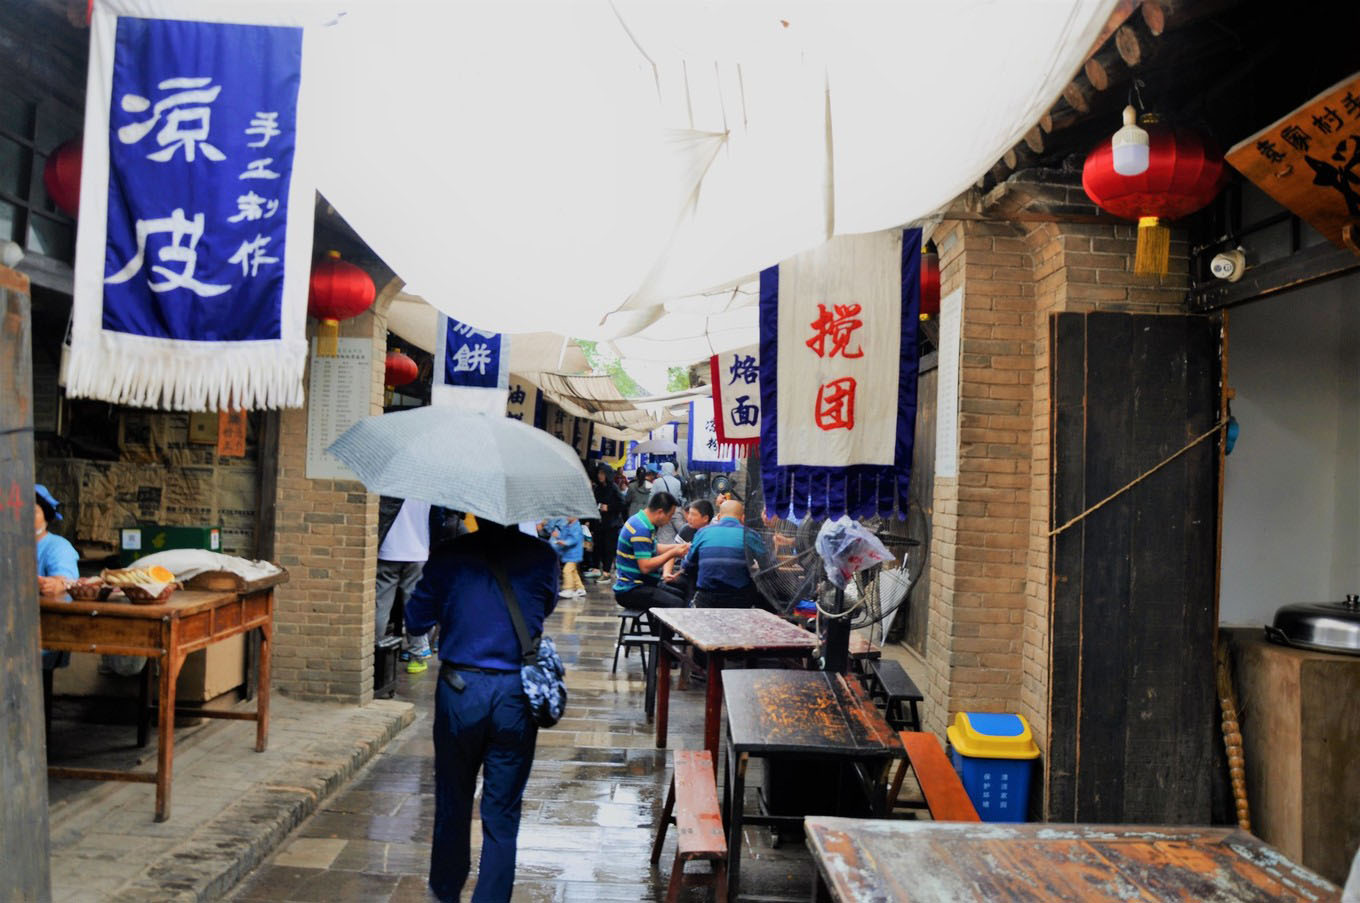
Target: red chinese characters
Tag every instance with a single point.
(836, 405)
(836, 325)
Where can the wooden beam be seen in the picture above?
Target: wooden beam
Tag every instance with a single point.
(1309, 265)
(1134, 44)
(1077, 97)
(1105, 69)
(1034, 140)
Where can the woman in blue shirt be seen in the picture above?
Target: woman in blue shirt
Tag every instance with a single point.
(57, 560)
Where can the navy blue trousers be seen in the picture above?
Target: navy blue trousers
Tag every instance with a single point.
(486, 727)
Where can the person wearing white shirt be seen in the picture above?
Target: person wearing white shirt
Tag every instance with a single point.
(403, 549)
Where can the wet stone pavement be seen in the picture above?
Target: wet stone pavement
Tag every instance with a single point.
(590, 808)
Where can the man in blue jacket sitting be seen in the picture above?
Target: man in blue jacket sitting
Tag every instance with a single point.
(719, 558)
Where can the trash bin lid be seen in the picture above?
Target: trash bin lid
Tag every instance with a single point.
(983, 735)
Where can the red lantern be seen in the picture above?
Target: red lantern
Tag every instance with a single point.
(930, 281)
(61, 176)
(1185, 172)
(338, 291)
(400, 369)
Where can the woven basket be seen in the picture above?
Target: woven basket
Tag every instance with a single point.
(139, 596)
(90, 590)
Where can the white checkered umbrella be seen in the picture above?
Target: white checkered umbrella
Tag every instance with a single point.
(494, 467)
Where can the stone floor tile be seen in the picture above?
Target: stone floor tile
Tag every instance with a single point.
(310, 852)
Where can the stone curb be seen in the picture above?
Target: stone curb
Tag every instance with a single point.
(217, 855)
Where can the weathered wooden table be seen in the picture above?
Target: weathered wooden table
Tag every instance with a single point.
(723, 634)
(188, 621)
(951, 862)
(803, 715)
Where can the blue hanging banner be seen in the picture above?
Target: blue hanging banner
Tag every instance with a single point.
(473, 372)
(196, 222)
(838, 369)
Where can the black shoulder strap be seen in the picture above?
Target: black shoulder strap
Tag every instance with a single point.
(527, 647)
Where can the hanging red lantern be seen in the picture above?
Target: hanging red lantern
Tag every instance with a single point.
(1184, 173)
(338, 291)
(930, 281)
(61, 176)
(400, 369)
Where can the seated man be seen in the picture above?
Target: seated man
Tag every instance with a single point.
(697, 516)
(639, 559)
(719, 560)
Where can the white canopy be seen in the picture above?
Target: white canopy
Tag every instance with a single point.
(569, 166)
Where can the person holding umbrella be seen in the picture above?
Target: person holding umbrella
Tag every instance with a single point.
(502, 472)
(482, 721)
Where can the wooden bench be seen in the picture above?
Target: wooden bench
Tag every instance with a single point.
(940, 785)
(891, 687)
(693, 797)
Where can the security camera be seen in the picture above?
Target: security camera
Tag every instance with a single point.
(1229, 265)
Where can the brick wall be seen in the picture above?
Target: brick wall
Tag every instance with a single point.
(987, 641)
(326, 535)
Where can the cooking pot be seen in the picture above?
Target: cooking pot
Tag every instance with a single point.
(1325, 626)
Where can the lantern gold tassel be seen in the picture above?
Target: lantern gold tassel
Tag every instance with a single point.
(1153, 254)
(328, 338)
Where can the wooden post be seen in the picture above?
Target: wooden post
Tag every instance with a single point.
(23, 749)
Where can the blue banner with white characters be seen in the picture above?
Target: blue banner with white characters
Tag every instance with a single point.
(196, 212)
(473, 357)
(201, 138)
(472, 369)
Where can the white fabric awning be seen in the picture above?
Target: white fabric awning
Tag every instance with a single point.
(569, 166)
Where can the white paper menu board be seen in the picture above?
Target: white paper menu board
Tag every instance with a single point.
(339, 395)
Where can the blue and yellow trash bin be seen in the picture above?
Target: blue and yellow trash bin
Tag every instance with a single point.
(994, 755)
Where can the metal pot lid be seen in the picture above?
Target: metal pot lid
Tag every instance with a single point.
(1326, 626)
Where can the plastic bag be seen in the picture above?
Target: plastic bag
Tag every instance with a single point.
(848, 547)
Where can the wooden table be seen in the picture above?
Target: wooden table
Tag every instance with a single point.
(188, 621)
(951, 862)
(818, 715)
(723, 634)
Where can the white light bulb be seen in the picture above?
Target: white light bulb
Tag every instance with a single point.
(1130, 146)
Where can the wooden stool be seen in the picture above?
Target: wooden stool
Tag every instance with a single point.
(632, 623)
(892, 688)
(693, 796)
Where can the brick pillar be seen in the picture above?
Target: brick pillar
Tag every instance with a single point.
(981, 519)
(327, 538)
(987, 643)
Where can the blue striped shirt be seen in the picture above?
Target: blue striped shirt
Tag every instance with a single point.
(637, 540)
(720, 551)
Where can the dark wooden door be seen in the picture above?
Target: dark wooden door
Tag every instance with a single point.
(1132, 717)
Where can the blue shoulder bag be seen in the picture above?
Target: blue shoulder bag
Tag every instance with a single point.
(541, 672)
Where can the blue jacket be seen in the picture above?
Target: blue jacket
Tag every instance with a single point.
(569, 542)
(720, 552)
(459, 592)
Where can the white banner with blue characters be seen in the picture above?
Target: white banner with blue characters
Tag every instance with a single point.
(196, 212)
(472, 368)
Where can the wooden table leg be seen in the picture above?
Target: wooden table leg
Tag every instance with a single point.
(713, 706)
(663, 687)
(144, 703)
(736, 807)
(165, 741)
(262, 691)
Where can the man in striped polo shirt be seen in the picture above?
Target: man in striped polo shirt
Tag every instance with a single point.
(719, 560)
(639, 561)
